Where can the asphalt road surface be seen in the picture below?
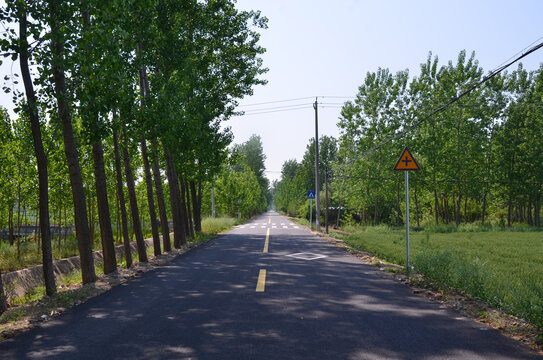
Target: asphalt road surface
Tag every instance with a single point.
(265, 290)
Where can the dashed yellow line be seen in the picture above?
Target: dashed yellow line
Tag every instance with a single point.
(261, 283)
(267, 242)
(269, 220)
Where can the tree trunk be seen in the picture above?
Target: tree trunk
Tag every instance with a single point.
(134, 212)
(484, 208)
(417, 207)
(91, 217)
(466, 210)
(199, 201)
(376, 210)
(186, 207)
(60, 220)
(339, 212)
(457, 206)
(179, 237)
(122, 203)
(509, 212)
(436, 207)
(213, 214)
(70, 149)
(537, 206)
(150, 197)
(19, 222)
(10, 225)
(160, 199)
(3, 301)
(63, 237)
(529, 209)
(38, 236)
(195, 208)
(104, 216)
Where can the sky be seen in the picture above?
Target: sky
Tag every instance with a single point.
(323, 48)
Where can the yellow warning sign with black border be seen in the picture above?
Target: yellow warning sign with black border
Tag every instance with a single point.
(406, 162)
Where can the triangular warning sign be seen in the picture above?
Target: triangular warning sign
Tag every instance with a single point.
(406, 162)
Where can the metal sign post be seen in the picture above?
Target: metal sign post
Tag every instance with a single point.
(407, 218)
(310, 214)
(406, 163)
(310, 196)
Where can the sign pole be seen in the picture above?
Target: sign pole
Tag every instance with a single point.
(407, 218)
(406, 163)
(310, 213)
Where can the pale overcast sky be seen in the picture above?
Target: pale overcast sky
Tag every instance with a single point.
(324, 48)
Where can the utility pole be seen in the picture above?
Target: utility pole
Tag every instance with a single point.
(317, 193)
(326, 199)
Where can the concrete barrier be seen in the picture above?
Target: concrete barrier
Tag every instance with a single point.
(17, 283)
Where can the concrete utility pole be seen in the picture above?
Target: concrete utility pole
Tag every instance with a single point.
(317, 193)
(326, 199)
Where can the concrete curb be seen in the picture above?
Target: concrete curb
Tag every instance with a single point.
(17, 283)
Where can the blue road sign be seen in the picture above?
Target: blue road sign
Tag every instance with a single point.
(310, 194)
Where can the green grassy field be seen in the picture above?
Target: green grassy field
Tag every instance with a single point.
(503, 268)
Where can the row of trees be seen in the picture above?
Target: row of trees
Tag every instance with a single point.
(241, 188)
(480, 158)
(290, 193)
(131, 86)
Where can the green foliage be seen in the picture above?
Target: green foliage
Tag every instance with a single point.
(290, 193)
(217, 225)
(238, 191)
(167, 71)
(477, 156)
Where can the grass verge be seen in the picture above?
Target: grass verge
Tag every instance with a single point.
(500, 268)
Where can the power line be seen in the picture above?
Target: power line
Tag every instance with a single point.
(450, 102)
(276, 107)
(431, 181)
(278, 101)
(274, 111)
(338, 97)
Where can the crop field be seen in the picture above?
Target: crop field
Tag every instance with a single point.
(503, 268)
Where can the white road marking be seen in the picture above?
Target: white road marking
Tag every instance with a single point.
(262, 227)
(307, 256)
(252, 227)
(274, 227)
(285, 227)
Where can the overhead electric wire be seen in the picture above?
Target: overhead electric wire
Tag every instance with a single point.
(276, 107)
(451, 181)
(277, 101)
(450, 102)
(303, 107)
(338, 97)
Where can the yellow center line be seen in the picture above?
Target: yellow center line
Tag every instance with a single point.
(261, 284)
(269, 220)
(267, 242)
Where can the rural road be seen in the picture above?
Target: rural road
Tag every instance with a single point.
(244, 296)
